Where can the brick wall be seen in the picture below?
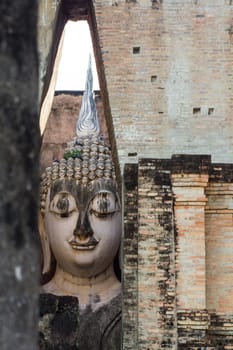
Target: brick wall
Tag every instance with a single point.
(168, 69)
(178, 254)
(189, 179)
(219, 239)
(149, 257)
(156, 265)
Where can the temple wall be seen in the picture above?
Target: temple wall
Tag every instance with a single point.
(149, 304)
(184, 254)
(219, 240)
(156, 263)
(130, 258)
(188, 184)
(168, 68)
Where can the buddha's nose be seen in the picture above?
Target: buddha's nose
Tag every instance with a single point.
(83, 228)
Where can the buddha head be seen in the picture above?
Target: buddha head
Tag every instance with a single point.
(80, 207)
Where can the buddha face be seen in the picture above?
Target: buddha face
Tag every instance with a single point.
(83, 224)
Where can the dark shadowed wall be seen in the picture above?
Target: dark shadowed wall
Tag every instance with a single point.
(19, 144)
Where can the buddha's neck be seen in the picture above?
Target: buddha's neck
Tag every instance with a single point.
(94, 291)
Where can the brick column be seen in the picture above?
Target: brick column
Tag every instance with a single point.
(189, 185)
(219, 239)
(156, 265)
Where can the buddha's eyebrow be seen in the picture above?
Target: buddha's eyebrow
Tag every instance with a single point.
(83, 195)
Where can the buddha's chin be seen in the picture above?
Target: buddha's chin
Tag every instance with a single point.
(84, 265)
(88, 270)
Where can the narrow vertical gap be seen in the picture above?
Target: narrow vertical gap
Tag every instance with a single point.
(72, 11)
(76, 49)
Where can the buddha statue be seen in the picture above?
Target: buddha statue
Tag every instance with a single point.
(80, 229)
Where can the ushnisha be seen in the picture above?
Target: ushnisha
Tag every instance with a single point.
(85, 159)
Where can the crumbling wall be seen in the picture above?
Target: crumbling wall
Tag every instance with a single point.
(182, 258)
(130, 258)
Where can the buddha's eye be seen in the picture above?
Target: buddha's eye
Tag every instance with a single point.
(103, 204)
(63, 204)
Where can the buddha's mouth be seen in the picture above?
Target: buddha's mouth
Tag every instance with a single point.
(88, 245)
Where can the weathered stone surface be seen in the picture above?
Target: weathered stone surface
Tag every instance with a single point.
(61, 327)
(130, 258)
(180, 212)
(156, 260)
(19, 175)
(189, 180)
(219, 239)
(101, 329)
(59, 322)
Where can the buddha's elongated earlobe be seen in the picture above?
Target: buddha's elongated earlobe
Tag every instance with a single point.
(46, 251)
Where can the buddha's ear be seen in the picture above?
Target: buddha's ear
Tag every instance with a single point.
(47, 257)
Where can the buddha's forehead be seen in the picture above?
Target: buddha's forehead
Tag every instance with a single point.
(83, 194)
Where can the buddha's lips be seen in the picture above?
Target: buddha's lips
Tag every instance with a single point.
(91, 244)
